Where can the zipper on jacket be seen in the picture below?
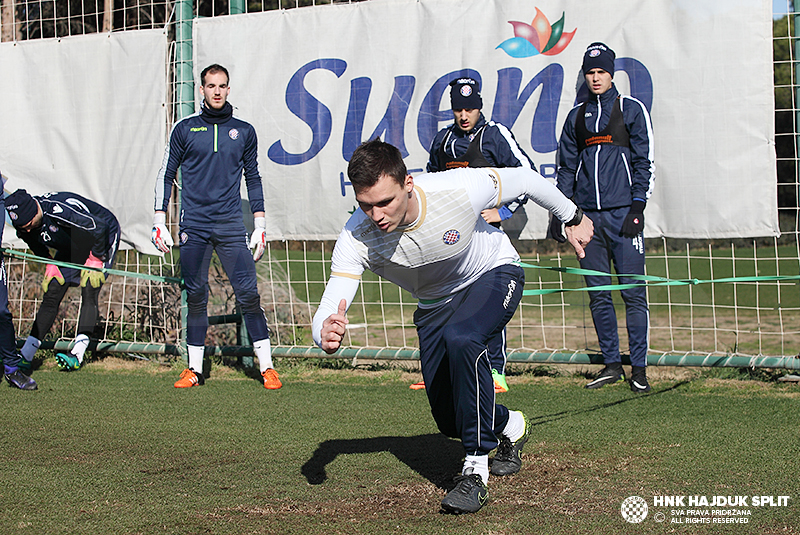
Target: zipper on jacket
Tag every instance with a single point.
(216, 132)
(597, 177)
(597, 155)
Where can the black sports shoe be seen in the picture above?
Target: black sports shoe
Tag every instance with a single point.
(639, 382)
(21, 381)
(506, 460)
(468, 496)
(608, 375)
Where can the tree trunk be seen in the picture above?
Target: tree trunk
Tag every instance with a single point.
(108, 15)
(7, 17)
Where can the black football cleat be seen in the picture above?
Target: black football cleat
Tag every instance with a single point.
(639, 382)
(20, 380)
(468, 496)
(608, 375)
(507, 460)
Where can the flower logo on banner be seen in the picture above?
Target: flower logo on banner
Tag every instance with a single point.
(538, 37)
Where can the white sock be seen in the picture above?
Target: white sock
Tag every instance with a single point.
(29, 349)
(196, 357)
(515, 427)
(479, 465)
(263, 351)
(81, 343)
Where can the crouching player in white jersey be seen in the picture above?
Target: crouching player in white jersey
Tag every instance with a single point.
(427, 236)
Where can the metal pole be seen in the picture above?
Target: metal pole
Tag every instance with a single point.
(243, 339)
(700, 361)
(237, 7)
(183, 58)
(792, 16)
(184, 93)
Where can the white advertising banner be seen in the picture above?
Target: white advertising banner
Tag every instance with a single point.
(88, 115)
(316, 82)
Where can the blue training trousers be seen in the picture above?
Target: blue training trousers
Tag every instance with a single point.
(453, 342)
(52, 298)
(230, 243)
(8, 338)
(627, 255)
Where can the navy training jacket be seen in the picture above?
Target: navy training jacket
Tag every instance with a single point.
(73, 226)
(497, 146)
(607, 176)
(211, 154)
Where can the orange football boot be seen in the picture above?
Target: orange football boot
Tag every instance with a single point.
(189, 378)
(271, 380)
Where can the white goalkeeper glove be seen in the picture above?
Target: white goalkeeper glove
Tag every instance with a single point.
(160, 236)
(258, 241)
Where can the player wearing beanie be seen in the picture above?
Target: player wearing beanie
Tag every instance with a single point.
(605, 165)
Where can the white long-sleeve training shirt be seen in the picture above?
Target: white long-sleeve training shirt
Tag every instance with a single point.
(447, 248)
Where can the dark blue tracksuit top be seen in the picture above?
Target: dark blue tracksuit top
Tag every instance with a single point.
(603, 177)
(211, 152)
(73, 226)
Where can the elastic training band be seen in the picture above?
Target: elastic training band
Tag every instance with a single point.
(41, 260)
(647, 280)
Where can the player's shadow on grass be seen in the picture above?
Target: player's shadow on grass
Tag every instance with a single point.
(435, 457)
(548, 418)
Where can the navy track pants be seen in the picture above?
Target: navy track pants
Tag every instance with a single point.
(230, 243)
(627, 255)
(453, 340)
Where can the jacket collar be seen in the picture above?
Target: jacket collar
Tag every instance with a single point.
(608, 97)
(460, 133)
(213, 116)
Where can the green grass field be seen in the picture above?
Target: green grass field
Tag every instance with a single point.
(115, 449)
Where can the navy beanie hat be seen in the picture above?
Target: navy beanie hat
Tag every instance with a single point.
(599, 56)
(465, 94)
(21, 208)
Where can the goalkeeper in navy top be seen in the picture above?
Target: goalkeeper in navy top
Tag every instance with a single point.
(426, 235)
(605, 165)
(212, 148)
(65, 227)
(472, 141)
